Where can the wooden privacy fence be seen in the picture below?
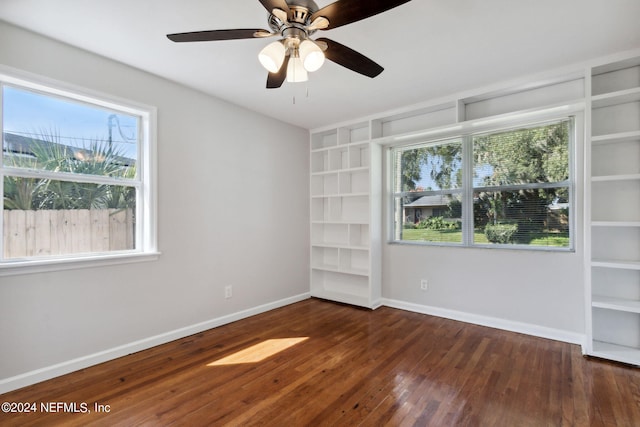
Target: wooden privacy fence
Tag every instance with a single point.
(60, 232)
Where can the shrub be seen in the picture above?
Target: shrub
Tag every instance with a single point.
(436, 223)
(500, 233)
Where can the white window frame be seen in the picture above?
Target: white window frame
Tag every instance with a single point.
(465, 132)
(145, 248)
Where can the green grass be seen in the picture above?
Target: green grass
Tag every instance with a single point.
(552, 239)
(560, 240)
(425, 235)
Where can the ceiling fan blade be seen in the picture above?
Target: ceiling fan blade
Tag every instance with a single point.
(350, 59)
(213, 35)
(275, 4)
(275, 80)
(344, 12)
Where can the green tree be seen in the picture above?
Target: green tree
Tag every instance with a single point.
(443, 163)
(536, 155)
(410, 167)
(524, 156)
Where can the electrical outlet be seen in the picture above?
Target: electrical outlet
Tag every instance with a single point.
(424, 285)
(228, 291)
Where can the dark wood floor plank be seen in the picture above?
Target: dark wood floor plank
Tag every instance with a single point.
(370, 391)
(355, 368)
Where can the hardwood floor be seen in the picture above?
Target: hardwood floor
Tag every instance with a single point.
(355, 367)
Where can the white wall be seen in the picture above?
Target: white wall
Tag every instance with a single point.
(233, 210)
(541, 293)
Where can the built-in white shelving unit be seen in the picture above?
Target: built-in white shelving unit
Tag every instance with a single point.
(613, 212)
(345, 216)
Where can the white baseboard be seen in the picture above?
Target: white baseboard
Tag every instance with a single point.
(492, 322)
(49, 372)
(43, 374)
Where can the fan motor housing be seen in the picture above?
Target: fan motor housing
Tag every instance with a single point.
(298, 19)
(310, 5)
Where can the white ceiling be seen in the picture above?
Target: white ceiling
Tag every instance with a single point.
(429, 48)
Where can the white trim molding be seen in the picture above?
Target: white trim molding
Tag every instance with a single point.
(145, 181)
(492, 322)
(49, 372)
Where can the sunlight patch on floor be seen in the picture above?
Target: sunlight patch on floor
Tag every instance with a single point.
(259, 352)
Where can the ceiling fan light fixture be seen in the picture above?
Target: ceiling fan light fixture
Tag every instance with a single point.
(295, 70)
(272, 56)
(311, 55)
(295, 21)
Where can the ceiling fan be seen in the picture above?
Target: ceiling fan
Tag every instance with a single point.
(296, 53)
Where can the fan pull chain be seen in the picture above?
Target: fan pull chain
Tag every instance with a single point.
(306, 95)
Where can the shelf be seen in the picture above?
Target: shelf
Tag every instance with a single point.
(615, 198)
(340, 209)
(613, 138)
(323, 173)
(606, 178)
(619, 304)
(335, 269)
(615, 98)
(625, 265)
(329, 222)
(615, 223)
(356, 169)
(353, 157)
(338, 158)
(324, 140)
(616, 117)
(359, 156)
(414, 121)
(342, 297)
(616, 66)
(357, 144)
(322, 149)
(337, 171)
(338, 246)
(616, 352)
(353, 134)
(356, 182)
(341, 286)
(323, 196)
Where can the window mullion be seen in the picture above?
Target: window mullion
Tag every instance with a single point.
(467, 195)
(527, 186)
(429, 193)
(70, 177)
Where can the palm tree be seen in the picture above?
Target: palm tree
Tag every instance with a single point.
(98, 158)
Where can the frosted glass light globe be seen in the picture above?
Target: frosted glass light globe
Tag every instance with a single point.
(272, 56)
(295, 71)
(311, 55)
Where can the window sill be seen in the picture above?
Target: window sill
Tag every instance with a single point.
(532, 248)
(68, 263)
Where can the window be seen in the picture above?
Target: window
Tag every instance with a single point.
(502, 188)
(428, 196)
(75, 174)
